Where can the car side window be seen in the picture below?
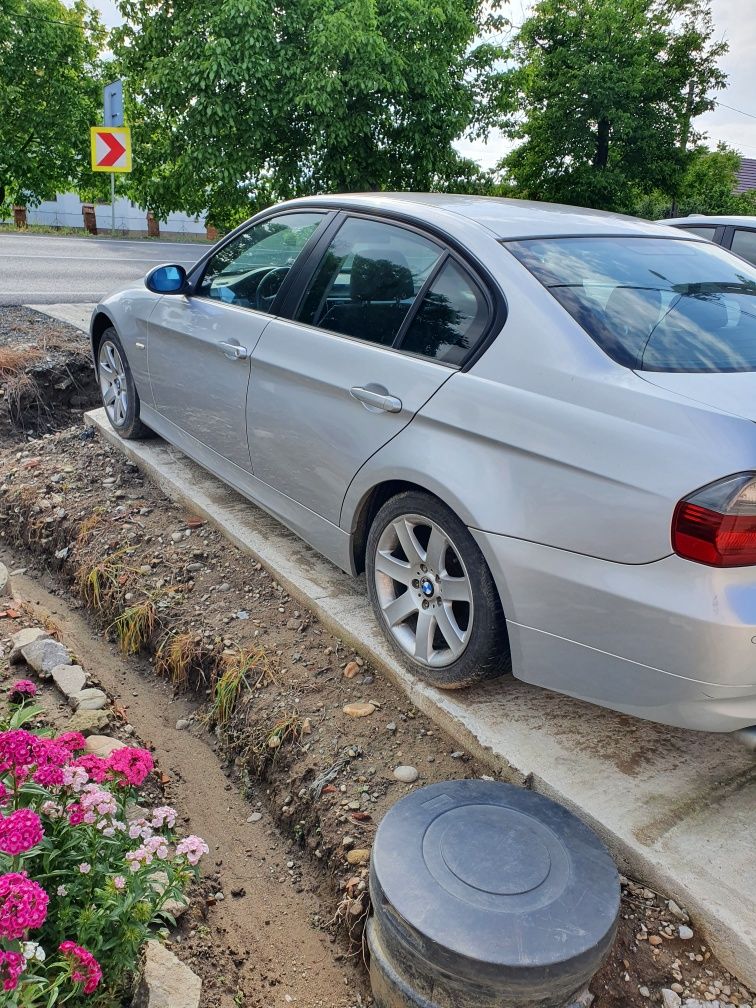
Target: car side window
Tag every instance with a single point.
(368, 280)
(249, 270)
(451, 319)
(702, 230)
(744, 244)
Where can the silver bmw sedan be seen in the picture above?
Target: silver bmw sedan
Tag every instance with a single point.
(531, 426)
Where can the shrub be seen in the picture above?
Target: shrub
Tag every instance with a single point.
(81, 882)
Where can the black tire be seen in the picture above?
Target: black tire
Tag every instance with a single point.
(131, 428)
(486, 653)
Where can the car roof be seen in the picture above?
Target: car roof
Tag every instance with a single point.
(733, 220)
(505, 218)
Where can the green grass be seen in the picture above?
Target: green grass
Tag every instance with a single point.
(45, 229)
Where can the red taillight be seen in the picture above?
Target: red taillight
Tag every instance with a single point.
(717, 524)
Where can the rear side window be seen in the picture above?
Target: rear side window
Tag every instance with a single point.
(653, 304)
(368, 280)
(451, 319)
(744, 244)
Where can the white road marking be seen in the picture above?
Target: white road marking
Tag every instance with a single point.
(68, 258)
(104, 241)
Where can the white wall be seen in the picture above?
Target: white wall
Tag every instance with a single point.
(65, 211)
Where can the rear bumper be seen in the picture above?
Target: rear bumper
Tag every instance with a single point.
(671, 641)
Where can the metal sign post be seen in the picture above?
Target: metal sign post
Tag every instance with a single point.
(113, 108)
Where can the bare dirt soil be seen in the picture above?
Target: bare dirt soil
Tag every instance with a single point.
(216, 634)
(46, 375)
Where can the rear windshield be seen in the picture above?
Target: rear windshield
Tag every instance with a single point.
(653, 304)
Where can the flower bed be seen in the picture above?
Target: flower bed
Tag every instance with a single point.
(82, 882)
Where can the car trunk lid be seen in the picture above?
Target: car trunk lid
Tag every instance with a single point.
(731, 392)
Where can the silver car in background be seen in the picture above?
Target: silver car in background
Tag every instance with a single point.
(532, 426)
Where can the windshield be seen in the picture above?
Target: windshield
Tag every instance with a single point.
(653, 304)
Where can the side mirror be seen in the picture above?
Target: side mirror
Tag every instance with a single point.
(167, 280)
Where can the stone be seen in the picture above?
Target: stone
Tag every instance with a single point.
(88, 722)
(644, 992)
(351, 670)
(677, 911)
(391, 726)
(655, 940)
(255, 817)
(685, 932)
(358, 857)
(406, 774)
(91, 699)
(20, 639)
(173, 907)
(182, 723)
(670, 999)
(359, 709)
(166, 982)
(103, 745)
(44, 655)
(4, 580)
(69, 679)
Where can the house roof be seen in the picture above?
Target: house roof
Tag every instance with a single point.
(746, 175)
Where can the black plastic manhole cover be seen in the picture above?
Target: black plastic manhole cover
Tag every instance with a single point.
(485, 895)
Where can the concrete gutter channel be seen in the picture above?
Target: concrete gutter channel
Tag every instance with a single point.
(675, 808)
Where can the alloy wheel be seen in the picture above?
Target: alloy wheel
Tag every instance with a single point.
(113, 385)
(424, 590)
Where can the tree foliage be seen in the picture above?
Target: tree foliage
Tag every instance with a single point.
(237, 103)
(50, 80)
(707, 187)
(609, 88)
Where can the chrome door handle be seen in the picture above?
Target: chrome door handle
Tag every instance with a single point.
(233, 351)
(376, 400)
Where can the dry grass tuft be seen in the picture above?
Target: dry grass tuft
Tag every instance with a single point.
(239, 671)
(185, 660)
(135, 626)
(14, 360)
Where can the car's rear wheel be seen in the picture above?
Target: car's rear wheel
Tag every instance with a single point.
(433, 593)
(119, 394)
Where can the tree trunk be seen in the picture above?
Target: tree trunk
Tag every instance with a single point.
(601, 157)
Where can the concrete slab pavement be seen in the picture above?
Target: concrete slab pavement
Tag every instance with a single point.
(676, 808)
(77, 315)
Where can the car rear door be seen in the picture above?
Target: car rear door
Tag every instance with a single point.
(199, 346)
(330, 386)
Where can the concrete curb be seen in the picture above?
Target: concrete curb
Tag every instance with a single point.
(676, 808)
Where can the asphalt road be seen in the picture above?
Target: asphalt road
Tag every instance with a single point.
(41, 269)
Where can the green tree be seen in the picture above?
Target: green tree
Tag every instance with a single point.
(49, 96)
(609, 89)
(707, 187)
(240, 102)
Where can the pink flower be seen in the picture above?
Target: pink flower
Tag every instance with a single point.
(75, 814)
(3, 793)
(95, 766)
(85, 868)
(75, 777)
(193, 848)
(164, 815)
(84, 967)
(22, 688)
(20, 831)
(72, 740)
(23, 905)
(133, 764)
(97, 800)
(16, 750)
(51, 758)
(12, 965)
(119, 882)
(158, 846)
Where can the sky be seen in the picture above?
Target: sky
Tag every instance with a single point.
(735, 22)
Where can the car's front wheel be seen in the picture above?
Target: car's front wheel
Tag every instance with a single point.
(433, 593)
(119, 394)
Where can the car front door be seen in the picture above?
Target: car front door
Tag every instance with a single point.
(200, 346)
(330, 387)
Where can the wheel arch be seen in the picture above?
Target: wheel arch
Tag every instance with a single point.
(100, 322)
